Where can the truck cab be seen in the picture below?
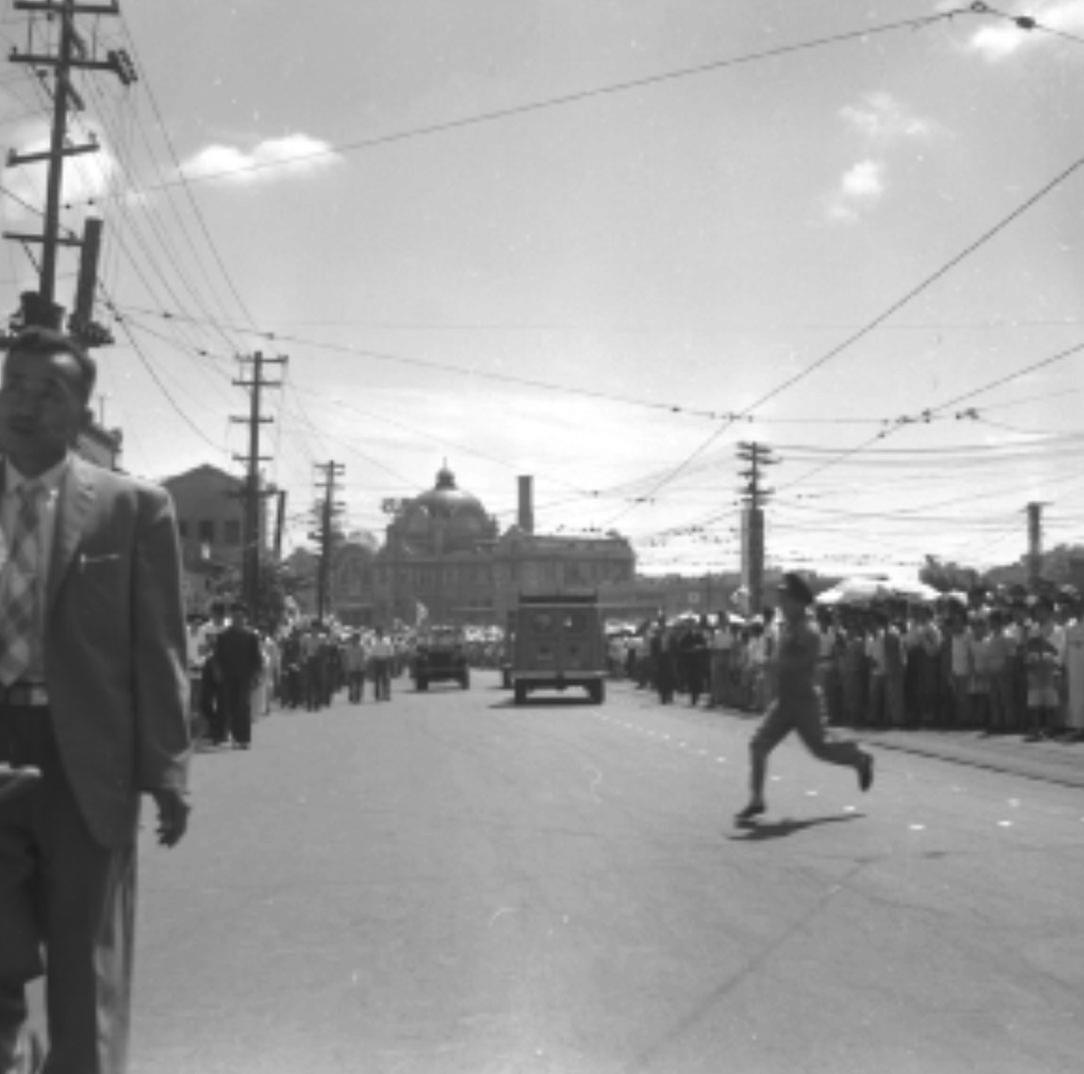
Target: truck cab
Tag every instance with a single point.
(558, 643)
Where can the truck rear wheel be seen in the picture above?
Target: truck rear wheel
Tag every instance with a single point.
(520, 693)
(596, 691)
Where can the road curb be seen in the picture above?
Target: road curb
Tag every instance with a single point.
(1067, 771)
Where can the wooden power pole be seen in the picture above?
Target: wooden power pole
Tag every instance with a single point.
(253, 493)
(754, 496)
(40, 307)
(327, 510)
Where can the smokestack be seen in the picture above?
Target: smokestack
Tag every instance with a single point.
(526, 504)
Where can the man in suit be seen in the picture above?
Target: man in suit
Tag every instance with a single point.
(240, 660)
(93, 691)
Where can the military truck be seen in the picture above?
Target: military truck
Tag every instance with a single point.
(558, 644)
(440, 655)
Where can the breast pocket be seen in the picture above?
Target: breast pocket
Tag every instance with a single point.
(100, 584)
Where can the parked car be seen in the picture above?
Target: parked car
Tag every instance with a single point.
(558, 643)
(440, 655)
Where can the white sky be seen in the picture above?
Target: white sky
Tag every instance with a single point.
(693, 243)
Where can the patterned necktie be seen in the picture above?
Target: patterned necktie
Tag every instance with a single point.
(19, 587)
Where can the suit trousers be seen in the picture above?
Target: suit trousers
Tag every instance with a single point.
(64, 896)
(237, 705)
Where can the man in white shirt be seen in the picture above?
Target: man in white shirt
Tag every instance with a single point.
(381, 654)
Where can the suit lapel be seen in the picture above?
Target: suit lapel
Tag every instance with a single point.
(73, 507)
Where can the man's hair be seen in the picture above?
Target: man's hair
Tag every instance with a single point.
(47, 342)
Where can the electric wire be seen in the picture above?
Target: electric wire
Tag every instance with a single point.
(562, 100)
(928, 281)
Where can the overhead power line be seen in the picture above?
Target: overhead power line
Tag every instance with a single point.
(923, 285)
(576, 96)
(1025, 22)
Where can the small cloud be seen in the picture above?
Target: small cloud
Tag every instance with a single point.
(864, 181)
(997, 41)
(268, 160)
(879, 117)
(860, 188)
(883, 125)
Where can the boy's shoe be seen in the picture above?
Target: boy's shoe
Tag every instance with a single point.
(753, 809)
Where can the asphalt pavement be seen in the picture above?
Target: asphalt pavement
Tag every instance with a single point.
(450, 883)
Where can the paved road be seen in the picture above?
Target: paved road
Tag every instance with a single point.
(448, 883)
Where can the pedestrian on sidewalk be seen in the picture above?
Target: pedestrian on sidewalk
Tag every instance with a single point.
(982, 673)
(210, 690)
(854, 672)
(240, 658)
(1042, 657)
(923, 667)
(798, 705)
(381, 654)
(664, 654)
(960, 664)
(1074, 673)
(354, 658)
(93, 701)
(1001, 655)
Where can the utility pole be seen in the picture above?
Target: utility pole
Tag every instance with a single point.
(252, 494)
(280, 522)
(756, 457)
(327, 511)
(40, 307)
(1035, 544)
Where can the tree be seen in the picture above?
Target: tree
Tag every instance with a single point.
(945, 575)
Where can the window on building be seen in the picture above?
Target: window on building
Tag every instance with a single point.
(207, 531)
(231, 532)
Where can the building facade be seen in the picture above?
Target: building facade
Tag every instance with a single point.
(444, 559)
(210, 523)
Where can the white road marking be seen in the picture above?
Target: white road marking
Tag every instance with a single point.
(594, 783)
(917, 827)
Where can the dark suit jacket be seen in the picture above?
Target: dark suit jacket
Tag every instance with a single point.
(239, 655)
(115, 647)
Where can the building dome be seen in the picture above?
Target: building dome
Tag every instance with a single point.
(445, 518)
(445, 499)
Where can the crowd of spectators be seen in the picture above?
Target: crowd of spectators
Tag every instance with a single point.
(1006, 661)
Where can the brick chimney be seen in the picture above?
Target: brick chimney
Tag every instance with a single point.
(525, 519)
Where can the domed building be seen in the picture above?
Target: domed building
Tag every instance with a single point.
(445, 559)
(437, 557)
(446, 520)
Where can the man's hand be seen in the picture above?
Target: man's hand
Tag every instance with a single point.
(172, 816)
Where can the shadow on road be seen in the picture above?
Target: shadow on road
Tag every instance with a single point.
(544, 703)
(754, 831)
